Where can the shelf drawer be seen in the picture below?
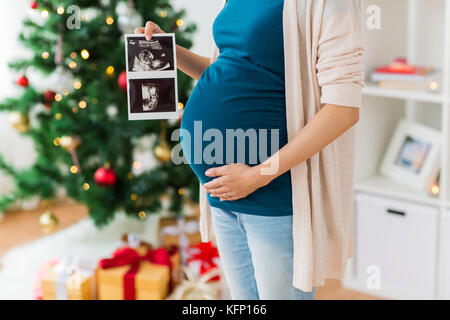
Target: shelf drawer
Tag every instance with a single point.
(400, 238)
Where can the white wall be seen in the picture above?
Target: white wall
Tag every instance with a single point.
(203, 13)
(14, 147)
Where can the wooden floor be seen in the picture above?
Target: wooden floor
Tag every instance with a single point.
(23, 226)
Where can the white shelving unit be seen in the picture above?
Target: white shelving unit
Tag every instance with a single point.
(381, 186)
(372, 90)
(419, 30)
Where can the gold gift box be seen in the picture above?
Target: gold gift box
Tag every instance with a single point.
(169, 240)
(78, 286)
(151, 281)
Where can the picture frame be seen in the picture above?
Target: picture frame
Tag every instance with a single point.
(412, 157)
(151, 67)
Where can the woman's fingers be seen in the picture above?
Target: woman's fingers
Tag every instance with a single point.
(139, 30)
(229, 198)
(217, 171)
(216, 183)
(217, 191)
(149, 29)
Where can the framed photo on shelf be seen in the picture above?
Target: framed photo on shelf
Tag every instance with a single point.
(412, 157)
(151, 77)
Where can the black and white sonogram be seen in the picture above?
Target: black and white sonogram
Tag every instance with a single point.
(153, 55)
(151, 77)
(152, 95)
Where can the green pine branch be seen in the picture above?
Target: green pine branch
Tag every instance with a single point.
(105, 138)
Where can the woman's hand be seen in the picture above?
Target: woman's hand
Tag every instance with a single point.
(190, 63)
(149, 29)
(234, 181)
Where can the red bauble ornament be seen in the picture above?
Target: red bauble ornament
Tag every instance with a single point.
(105, 177)
(33, 5)
(122, 81)
(22, 81)
(49, 95)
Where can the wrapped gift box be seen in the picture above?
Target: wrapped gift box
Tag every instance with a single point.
(152, 281)
(69, 281)
(196, 287)
(202, 259)
(171, 229)
(78, 287)
(179, 232)
(135, 242)
(177, 274)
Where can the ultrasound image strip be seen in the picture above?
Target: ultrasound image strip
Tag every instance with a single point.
(151, 77)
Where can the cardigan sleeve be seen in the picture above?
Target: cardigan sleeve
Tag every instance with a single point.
(340, 53)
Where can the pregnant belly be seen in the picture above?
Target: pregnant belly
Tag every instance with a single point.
(229, 108)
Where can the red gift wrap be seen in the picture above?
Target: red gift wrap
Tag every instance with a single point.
(206, 256)
(130, 257)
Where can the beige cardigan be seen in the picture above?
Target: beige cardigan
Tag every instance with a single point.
(323, 64)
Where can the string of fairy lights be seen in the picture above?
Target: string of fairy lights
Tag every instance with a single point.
(68, 143)
(85, 54)
(73, 62)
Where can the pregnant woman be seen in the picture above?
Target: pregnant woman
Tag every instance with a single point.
(269, 131)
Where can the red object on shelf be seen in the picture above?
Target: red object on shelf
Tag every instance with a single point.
(401, 66)
(388, 69)
(105, 177)
(401, 60)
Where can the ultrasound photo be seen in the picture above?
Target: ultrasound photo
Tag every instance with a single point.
(151, 77)
(153, 55)
(152, 96)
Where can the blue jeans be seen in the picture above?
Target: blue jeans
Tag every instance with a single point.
(256, 254)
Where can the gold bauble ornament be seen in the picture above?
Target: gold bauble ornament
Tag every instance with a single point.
(48, 222)
(163, 152)
(69, 143)
(19, 121)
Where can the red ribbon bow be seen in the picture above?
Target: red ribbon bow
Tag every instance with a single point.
(205, 253)
(128, 256)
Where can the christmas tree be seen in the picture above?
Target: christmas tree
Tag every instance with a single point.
(84, 142)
